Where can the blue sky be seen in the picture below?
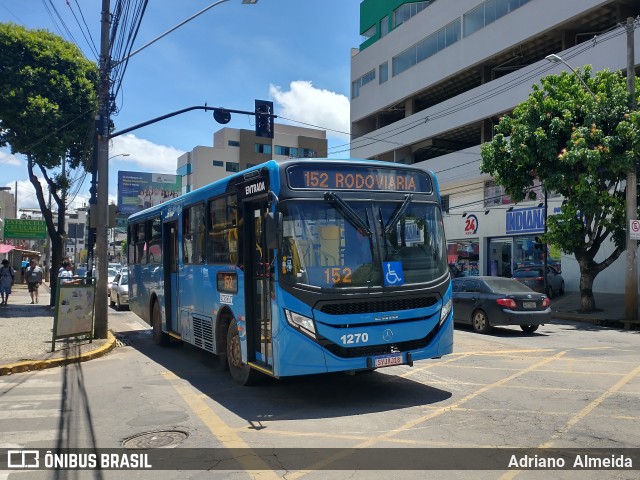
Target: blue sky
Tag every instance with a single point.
(295, 53)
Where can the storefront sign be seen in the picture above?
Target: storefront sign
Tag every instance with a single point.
(525, 220)
(31, 229)
(470, 224)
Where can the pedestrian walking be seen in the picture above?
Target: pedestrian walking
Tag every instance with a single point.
(34, 279)
(7, 278)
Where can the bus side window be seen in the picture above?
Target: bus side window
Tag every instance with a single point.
(187, 247)
(155, 243)
(141, 244)
(198, 227)
(193, 235)
(131, 244)
(223, 244)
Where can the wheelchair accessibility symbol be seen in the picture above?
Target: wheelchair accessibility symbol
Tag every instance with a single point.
(393, 274)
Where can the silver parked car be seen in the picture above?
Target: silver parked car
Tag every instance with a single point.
(119, 290)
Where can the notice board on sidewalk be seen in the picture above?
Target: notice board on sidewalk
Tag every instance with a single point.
(74, 312)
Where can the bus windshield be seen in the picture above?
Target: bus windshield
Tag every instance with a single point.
(343, 244)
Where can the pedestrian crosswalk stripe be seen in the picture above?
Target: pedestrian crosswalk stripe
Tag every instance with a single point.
(29, 398)
(21, 414)
(11, 439)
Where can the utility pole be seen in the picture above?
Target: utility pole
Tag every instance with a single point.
(631, 283)
(101, 158)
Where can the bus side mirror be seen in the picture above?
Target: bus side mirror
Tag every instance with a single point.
(272, 221)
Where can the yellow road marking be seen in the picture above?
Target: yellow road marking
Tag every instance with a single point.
(428, 366)
(581, 414)
(225, 434)
(413, 423)
(589, 408)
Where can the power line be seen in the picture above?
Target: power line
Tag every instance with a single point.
(512, 83)
(90, 42)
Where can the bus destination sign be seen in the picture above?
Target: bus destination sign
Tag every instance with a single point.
(349, 177)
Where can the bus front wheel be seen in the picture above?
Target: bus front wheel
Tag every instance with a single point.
(159, 337)
(240, 372)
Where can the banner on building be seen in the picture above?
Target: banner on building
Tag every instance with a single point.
(25, 229)
(140, 190)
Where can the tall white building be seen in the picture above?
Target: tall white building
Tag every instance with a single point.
(234, 150)
(430, 81)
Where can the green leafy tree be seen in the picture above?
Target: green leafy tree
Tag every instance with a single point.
(579, 142)
(48, 102)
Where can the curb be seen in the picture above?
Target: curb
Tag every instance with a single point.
(29, 365)
(599, 321)
(577, 318)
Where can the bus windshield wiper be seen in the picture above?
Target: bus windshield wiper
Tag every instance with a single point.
(349, 213)
(400, 211)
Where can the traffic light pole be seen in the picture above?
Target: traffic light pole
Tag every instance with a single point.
(100, 171)
(219, 112)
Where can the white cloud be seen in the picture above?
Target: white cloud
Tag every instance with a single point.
(9, 159)
(147, 155)
(27, 196)
(322, 108)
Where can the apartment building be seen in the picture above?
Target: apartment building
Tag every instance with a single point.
(236, 149)
(432, 78)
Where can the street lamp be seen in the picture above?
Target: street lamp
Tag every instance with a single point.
(553, 58)
(119, 155)
(631, 279)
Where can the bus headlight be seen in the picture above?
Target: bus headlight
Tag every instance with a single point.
(302, 323)
(446, 309)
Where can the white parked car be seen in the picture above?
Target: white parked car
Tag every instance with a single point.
(119, 290)
(111, 275)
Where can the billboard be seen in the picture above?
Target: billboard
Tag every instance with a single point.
(140, 190)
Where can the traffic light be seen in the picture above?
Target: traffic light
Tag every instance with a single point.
(264, 119)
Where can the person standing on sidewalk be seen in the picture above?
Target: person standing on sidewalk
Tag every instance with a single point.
(66, 276)
(34, 280)
(7, 277)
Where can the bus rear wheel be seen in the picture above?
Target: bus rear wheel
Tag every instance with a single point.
(159, 337)
(240, 372)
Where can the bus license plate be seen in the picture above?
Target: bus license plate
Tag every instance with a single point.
(387, 361)
(529, 304)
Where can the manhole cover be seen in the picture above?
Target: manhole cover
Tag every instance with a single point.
(161, 439)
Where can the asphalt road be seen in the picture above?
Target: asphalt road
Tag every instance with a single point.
(566, 386)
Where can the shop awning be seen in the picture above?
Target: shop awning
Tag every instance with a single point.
(4, 248)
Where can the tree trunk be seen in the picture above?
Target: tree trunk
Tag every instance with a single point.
(56, 236)
(56, 262)
(587, 300)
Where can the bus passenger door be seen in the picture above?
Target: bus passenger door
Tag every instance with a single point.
(259, 260)
(170, 269)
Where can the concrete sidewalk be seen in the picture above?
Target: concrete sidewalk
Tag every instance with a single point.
(609, 310)
(26, 330)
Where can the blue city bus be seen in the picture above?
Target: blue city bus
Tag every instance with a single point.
(298, 267)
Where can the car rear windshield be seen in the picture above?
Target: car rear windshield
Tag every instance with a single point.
(506, 285)
(529, 272)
